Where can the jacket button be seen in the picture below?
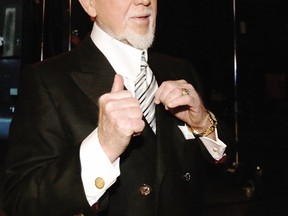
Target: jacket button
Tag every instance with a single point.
(145, 189)
(187, 176)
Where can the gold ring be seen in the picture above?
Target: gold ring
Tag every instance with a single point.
(185, 91)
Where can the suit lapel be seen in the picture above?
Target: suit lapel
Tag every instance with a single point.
(168, 133)
(92, 85)
(169, 140)
(95, 75)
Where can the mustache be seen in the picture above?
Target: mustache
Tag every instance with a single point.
(145, 13)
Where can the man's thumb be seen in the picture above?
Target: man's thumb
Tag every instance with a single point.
(118, 84)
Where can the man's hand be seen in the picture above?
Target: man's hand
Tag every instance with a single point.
(181, 99)
(120, 118)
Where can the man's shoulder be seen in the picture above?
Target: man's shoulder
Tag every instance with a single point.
(59, 64)
(165, 57)
(169, 62)
(68, 59)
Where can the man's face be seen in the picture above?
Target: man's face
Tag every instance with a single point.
(131, 21)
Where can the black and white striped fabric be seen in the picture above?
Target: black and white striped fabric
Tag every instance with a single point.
(145, 88)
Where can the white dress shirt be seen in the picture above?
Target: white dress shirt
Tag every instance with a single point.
(125, 60)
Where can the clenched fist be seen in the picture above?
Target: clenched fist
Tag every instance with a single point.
(120, 118)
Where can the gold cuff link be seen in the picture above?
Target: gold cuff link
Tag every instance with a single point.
(99, 182)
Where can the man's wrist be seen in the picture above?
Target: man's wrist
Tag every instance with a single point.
(210, 129)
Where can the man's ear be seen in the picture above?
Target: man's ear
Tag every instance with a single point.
(88, 7)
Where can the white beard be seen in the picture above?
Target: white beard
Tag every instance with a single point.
(137, 40)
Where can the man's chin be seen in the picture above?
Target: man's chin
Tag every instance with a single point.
(140, 41)
(137, 40)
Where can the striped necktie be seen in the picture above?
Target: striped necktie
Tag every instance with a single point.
(145, 88)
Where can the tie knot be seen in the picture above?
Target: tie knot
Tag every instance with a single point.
(143, 60)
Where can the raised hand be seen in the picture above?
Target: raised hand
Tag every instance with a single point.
(120, 118)
(180, 98)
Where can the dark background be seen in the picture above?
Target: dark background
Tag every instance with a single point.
(238, 46)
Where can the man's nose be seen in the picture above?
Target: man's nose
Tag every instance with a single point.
(143, 2)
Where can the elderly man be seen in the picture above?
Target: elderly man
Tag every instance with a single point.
(110, 128)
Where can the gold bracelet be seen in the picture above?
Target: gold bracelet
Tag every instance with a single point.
(213, 124)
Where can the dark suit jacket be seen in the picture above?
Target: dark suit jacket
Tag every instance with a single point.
(57, 108)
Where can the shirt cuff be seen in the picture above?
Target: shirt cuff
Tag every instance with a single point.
(216, 148)
(96, 165)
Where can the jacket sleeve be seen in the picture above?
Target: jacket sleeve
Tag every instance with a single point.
(42, 169)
